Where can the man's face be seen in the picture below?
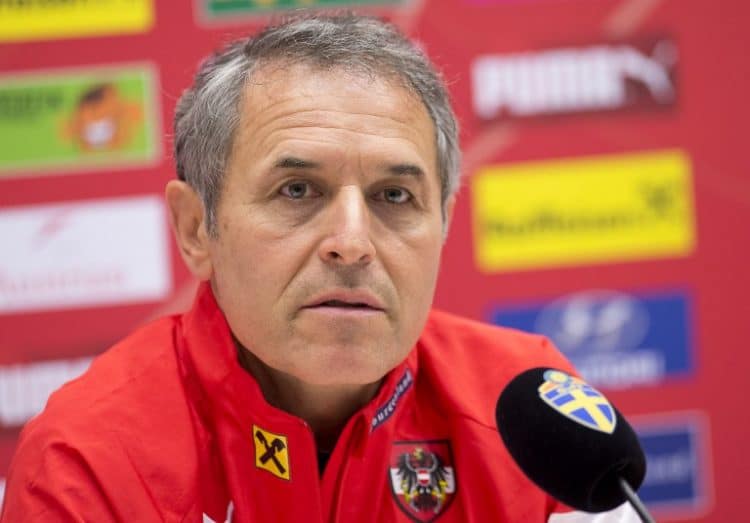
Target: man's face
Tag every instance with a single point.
(329, 226)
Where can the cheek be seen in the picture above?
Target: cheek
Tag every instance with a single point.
(415, 269)
(253, 266)
(236, 259)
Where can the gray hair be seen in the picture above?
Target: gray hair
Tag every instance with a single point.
(207, 114)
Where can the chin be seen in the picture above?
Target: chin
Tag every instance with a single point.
(348, 366)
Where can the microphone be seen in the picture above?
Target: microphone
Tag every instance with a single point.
(570, 441)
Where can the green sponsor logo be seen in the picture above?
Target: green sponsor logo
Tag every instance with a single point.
(220, 8)
(64, 119)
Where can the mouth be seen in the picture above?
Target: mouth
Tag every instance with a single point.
(339, 304)
(343, 302)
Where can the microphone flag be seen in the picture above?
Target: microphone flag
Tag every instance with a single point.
(577, 400)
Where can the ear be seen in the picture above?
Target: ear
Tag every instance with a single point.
(449, 205)
(187, 217)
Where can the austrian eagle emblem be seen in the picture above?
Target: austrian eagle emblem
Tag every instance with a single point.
(422, 478)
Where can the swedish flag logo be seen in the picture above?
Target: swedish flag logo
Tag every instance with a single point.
(577, 400)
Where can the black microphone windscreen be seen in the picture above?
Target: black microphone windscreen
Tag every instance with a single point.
(569, 439)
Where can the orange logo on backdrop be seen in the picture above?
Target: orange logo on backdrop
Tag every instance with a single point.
(102, 119)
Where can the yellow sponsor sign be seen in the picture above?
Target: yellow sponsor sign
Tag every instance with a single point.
(271, 452)
(46, 19)
(587, 210)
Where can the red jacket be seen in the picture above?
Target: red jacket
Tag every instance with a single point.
(166, 426)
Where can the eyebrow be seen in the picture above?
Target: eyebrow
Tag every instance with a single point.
(399, 169)
(292, 162)
(408, 169)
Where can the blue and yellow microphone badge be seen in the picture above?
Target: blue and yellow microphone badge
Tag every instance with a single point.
(578, 401)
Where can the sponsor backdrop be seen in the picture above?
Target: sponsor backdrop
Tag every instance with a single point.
(605, 203)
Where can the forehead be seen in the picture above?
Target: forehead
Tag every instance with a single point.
(279, 80)
(283, 102)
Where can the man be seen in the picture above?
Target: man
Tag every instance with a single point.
(310, 381)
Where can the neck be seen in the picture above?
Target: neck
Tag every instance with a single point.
(325, 408)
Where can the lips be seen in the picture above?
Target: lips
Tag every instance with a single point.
(346, 305)
(362, 300)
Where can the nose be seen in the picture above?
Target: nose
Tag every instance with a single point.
(347, 240)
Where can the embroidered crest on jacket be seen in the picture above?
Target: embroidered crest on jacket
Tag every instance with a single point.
(422, 478)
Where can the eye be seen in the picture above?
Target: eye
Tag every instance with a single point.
(395, 195)
(298, 190)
